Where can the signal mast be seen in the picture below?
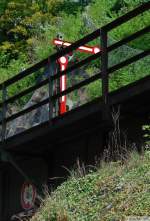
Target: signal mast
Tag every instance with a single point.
(63, 63)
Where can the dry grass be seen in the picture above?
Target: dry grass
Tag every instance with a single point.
(113, 192)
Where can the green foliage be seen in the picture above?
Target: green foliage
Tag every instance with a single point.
(3, 5)
(121, 77)
(43, 46)
(23, 19)
(17, 66)
(110, 10)
(28, 28)
(107, 11)
(67, 7)
(146, 129)
(132, 26)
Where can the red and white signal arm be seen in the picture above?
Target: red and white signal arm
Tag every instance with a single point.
(84, 48)
(28, 195)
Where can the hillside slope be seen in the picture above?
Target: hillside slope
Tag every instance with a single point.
(113, 192)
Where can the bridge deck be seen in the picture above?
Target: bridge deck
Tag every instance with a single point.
(134, 99)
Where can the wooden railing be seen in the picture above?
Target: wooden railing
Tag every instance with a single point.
(103, 74)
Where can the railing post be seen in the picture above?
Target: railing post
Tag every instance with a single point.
(4, 110)
(50, 87)
(104, 73)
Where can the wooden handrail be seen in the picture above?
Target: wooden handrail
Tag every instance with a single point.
(104, 73)
(137, 11)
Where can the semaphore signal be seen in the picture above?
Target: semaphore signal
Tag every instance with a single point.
(63, 63)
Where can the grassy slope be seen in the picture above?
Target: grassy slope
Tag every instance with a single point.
(112, 193)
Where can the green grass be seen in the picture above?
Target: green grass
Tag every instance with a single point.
(113, 192)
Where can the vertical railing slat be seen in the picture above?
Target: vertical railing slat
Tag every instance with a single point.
(50, 86)
(4, 110)
(104, 72)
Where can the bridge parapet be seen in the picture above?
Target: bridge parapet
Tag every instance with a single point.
(51, 98)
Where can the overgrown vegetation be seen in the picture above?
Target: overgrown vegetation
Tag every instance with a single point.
(114, 191)
(28, 27)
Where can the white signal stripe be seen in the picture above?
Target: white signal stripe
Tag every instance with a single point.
(63, 82)
(62, 43)
(84, 48)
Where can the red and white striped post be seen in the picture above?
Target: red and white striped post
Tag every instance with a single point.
(63, 62)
